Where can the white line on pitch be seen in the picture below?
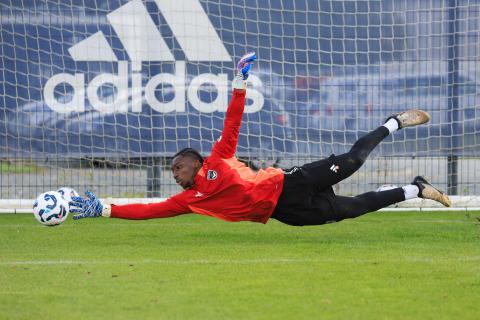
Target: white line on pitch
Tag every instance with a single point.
(227, 261)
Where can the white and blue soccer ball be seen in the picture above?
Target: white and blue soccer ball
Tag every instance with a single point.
(67, 193)
(50, 208)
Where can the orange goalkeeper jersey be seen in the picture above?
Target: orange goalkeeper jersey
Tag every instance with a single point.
(224, 187)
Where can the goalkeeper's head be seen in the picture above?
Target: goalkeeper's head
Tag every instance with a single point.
(185, 165)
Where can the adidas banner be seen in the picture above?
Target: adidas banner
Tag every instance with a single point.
(116, 78)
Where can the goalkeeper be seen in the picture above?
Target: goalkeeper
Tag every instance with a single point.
(223, 187)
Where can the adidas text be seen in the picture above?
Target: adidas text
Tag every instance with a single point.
(137, 93)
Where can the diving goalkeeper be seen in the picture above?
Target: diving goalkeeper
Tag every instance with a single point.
(223, 187)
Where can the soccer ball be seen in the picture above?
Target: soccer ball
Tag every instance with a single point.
(386, 187)
(67, 193)
(50, 208)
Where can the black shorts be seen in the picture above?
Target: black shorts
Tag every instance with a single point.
(307, 195)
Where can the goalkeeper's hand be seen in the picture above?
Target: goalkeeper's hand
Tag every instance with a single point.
(89, 207)
(244, 65)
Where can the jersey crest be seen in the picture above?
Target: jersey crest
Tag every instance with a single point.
(212, 175)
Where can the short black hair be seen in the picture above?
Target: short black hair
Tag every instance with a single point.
(189, 152)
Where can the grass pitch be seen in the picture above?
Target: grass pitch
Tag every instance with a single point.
(381, 266)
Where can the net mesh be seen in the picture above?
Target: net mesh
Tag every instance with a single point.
(100, 94)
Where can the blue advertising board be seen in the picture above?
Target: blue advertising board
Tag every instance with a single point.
(142, 78)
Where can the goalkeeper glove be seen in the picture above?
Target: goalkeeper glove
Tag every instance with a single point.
(244, 64)
(89, 207)
(243, 67)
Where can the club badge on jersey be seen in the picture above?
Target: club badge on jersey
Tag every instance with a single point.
(211, 175)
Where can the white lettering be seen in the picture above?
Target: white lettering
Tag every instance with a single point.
(178, 83)
(119, 102)
(137, 98)
(254, 95)
(221, 84)
(115, 103)
(76, 104)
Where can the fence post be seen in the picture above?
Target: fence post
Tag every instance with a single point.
(453, 105)
(154, 174)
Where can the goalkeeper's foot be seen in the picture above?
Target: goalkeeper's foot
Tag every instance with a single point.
(245, 63)
(427, 191)
(410, 118)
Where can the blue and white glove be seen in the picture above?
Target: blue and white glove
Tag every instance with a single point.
(89, 207)
(243, 67)
(245, 63)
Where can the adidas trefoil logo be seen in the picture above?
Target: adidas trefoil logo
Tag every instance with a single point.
(143, 42)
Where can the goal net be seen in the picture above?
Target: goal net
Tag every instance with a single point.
(100, 94)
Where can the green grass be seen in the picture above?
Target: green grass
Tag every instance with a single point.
(380, 266)
(19, 168)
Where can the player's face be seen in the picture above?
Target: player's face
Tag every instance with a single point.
(184, 170)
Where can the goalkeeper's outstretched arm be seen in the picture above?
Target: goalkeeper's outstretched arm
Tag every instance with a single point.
(92, 207)
(226, 144)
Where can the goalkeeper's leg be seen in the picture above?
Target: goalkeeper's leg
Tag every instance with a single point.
(327, 172)
(352, 207)
(302, 209)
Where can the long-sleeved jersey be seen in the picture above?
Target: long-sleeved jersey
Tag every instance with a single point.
(224, 187)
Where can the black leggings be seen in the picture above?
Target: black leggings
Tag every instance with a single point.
(347, 163)
(351, 207)
(319, 205)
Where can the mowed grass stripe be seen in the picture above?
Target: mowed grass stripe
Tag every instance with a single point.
(246, 261)
(406, 265)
